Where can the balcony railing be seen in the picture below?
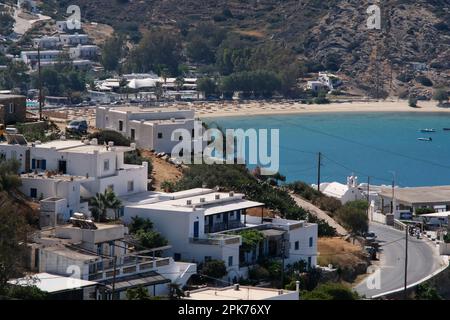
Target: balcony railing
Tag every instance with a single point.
(127, 267)
(217, 239)
(218, 227)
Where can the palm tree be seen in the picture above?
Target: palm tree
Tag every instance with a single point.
(113, 202)
(104, 201)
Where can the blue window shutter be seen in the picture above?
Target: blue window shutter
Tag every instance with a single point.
(44, 164)
(33, 164)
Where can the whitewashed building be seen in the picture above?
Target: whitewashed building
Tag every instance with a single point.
(149, 128)
(101, 253)
(343, 192)
(201, 224)
(84, 52)
(72, 169)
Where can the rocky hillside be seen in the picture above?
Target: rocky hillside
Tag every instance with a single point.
(331, 32)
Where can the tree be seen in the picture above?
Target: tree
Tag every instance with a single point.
(412, 101)
(441, 95)
(138, 293)
(175, 291)
(214, 269)
(105, 136)
(330, 291)
(207, 85)
(9, 180)
(112, 52)
(179, 83)
(138, 223)
(13, 230)
(250, 239)
(425, 291)
(353, 216)
(156, 51)
(151, 239)
(102, 202)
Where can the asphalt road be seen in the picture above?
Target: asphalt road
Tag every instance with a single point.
(423, 260)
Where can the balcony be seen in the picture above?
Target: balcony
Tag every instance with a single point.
(217, 240)
(223, 226)
(128, 265)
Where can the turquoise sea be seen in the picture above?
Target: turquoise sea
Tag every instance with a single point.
(368, 144)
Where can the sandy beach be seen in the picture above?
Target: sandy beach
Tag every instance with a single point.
(235, 109)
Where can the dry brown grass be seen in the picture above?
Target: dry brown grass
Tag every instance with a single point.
(338, 252)
(252, 33)
(162, 170)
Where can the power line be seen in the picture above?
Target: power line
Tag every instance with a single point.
(395, 153)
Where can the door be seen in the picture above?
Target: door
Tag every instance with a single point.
(196, 229)
(133, 134)
(62, 166)
(27, 161)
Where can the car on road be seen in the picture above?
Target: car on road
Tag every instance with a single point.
(77, 126)
(370, 236)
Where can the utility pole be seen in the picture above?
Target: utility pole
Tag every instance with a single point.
(318, 170)
(114, 278)
(40, 82)
(393, 193)
(283, 256)
(406, 260)
(368, 198)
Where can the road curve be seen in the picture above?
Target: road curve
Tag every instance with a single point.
(423, 261)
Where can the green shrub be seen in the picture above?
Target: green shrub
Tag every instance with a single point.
(105, 136)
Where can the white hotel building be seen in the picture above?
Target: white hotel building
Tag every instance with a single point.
(201, 224)
(74, 171)
(149, 128)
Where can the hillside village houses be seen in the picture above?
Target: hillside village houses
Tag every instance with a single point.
(202, 224)
(67, 170)
(103, 254)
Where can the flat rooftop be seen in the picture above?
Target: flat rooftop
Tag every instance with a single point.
(438, 194)
(52, 283)
(244, 293)
(137, 109)
(10, 96)
(70, 253)
(212, 202)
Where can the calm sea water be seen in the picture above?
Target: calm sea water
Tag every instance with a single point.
(374, 144)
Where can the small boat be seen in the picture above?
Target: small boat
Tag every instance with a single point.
(425, 139)
(446, 129)
(427, 130)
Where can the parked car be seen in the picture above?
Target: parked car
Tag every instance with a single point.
(77, 126)
(370, 236)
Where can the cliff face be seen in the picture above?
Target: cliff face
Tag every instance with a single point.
(332, 32)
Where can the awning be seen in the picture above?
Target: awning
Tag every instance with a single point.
(143, 279)
(237, 205)
(436, 215)
(268, 233)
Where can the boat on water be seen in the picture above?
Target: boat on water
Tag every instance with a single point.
(427, 130)
(425, 139)
(446, 129)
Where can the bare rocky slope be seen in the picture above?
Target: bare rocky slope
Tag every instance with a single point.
(332, 32)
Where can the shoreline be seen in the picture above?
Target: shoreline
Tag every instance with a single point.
(211, 111)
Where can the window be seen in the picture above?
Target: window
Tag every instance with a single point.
(130, 186)
(38, 164)
(310, 242)
(297, 245)
(309, 261)
(160, 135)
(177, 256)
(12, 108)
(33, 193)
(133, 134)
(120, 125)
(230, 261)
(106, 165)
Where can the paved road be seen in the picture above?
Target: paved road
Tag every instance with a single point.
(319, 214)
(423, 260)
